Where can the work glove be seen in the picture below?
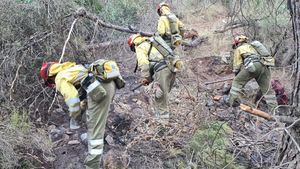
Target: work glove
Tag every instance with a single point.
(83, 105)
(179, 65)
(157, 90)
(145, 81)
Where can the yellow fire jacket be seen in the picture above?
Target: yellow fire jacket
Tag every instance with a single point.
(68, 76)
(142, 57)
(240, 53)
(163, 26)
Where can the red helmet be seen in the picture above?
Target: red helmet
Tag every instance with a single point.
(131, 39)
(240, 39)
(44, 72)
(161, 5)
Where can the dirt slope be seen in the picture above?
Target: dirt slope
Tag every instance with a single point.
(135, 140)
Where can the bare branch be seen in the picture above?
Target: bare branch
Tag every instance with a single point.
(81, 12)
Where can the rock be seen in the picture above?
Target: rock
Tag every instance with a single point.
(55, 134)
(210, 103)
(73, 142)
(139, 102)
(226, 88)
(177, 101)
(83, 137)
(109, 140)
(66, 137)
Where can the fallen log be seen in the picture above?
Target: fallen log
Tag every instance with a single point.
(256, 112)
(81, 12)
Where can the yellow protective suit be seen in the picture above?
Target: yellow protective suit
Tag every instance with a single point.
(163, 26)
(261, 74)
(162, 77)
(240, 53)
(68, 75)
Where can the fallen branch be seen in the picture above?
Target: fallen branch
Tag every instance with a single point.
(81, 12)
(232, 27)
(187, 90)
(104, 45)
(13, 83)
(256, 112)
(197, 41)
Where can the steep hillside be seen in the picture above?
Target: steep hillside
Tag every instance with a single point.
(202, 132)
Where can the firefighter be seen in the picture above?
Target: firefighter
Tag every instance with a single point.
(154, 68)
(246, 66)
(169, 27)
(67, 78)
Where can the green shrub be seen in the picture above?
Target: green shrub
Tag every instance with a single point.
(20, 121)
(93, 5)
(20, 141)
(209, 144)
(121, 12)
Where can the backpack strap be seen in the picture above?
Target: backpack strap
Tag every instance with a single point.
(136, 67)
(149, 51)
(173, 23)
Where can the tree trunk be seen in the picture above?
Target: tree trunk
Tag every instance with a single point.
(289, 154)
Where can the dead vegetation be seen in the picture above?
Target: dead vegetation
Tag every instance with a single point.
(22, 145)
(200, 135)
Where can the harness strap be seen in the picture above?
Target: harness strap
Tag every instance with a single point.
(136, 67)
(158, 66)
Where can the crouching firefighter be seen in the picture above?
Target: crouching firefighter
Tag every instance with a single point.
(248, 63)
(158, 64)
(99, 80)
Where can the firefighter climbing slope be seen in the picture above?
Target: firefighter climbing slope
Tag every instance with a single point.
(99, 80)
(250, 62)
(169, 27)
(157, 63)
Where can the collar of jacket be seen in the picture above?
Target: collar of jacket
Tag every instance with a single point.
(241, 44)
(165, 11)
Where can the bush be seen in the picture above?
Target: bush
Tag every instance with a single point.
(21, 145)
(210, 144)
(121, 12)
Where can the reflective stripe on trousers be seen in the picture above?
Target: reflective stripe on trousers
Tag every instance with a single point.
(73, 101)
(97, 142)
(96, 151)
(74, 106)
(94, 146)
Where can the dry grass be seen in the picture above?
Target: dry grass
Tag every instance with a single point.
(23, 146)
